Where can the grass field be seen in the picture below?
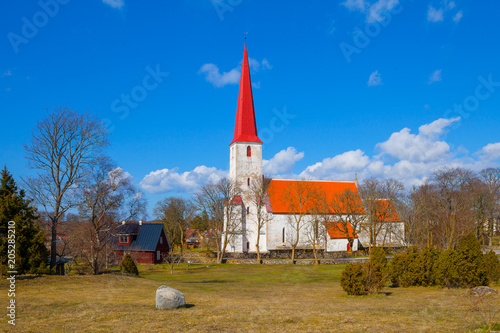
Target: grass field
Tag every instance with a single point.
(231, 298)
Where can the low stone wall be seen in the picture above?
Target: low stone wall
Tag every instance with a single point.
(331, 261)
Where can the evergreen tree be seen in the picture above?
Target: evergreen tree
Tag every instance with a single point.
(492, 267)
(471, 267)
(128, 265)
(31, 253)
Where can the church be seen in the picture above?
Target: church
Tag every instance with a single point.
(285, 223)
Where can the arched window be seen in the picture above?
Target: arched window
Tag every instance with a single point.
(283, 235)
(249, 151)
(248, 210)
(248, 181)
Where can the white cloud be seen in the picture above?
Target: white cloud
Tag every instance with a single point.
(435, 15)
(490, 152)
(375, 79)
(118, 4)
(169, 180)
(282, 163)
(337, 166)
(378, 8)
(7, 73)
(256, 66)
(451, 4)
(356, 5)
(422, 147)
(435, 77)
(374, 11)
(458, 17)
(213, 75)
(405, 156)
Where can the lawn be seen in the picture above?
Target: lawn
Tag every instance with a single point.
(232, 298)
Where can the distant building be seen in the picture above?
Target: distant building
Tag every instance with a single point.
(147, 243)
(246, 166)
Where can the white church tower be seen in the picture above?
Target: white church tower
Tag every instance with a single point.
(246, 161)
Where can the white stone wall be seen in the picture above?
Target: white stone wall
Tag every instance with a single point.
(391, 234)
(242, 167)
(334, 245)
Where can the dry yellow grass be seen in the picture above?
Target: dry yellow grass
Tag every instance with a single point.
(231, 298)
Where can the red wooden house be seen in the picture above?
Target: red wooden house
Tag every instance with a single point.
(147, 243)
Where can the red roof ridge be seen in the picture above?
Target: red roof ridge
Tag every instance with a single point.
(245, 127)
(314, 180)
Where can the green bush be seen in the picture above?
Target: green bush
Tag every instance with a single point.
(471, 267)
(397, 269)
(426, 262)
(446, 269)
(128, 265)
(376, 270)
(353, 279)
(492, 267)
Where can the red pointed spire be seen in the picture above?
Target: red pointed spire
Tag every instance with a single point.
(245, 128)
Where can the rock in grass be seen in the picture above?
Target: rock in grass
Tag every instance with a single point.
(169, 298)
(483, 291)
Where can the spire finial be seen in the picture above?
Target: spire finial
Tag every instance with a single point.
(355, 176)
(246, 33)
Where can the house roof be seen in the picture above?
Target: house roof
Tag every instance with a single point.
(336, 230)
(127, 228)
(245, 128)
(148, 236)
(384, 211)
(192, 232)
(283, 205)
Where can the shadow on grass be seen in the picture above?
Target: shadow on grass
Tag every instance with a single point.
(189, 306)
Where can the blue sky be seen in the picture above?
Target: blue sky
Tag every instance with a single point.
(384, 88)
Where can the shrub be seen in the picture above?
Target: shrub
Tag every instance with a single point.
(471, 266)
(397, 269)
(413, 268)
(128, 265)
(446, 269)
(492, 267)
(353, 279)
(376, 270)
(426, 262)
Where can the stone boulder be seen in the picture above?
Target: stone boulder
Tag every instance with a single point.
(483, 291)
(169, 298)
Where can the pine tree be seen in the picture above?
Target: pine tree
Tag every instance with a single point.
(31, 253)
(471, 267)
(128, 265)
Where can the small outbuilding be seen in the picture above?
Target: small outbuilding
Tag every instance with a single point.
(147, 243)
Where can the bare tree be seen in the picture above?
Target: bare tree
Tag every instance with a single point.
(491, 178)
(176, 215)
(106, 196)
(62, 144)
(219, 200)
(299, 196)
(315, 229)
(259, 198)
(347, 209)
(452, 207)
(380, 198)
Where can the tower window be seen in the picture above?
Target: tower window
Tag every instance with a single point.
(248, 210)
(248, 181)
(249, 151)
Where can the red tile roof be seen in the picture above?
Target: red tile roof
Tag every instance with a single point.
(337, 230)
(384, 211)
(245, 128)
(281, 205)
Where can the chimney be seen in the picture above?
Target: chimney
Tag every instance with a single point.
(140, 222)
(123, 222)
